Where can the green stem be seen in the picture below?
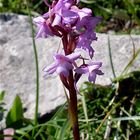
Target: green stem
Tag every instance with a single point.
(110, 56)
(37, 67)
(73, 107)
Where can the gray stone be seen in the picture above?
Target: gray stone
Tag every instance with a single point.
(17, 67)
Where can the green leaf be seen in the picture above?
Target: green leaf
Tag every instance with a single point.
(15, 115)
(2, 93)
(66, 127)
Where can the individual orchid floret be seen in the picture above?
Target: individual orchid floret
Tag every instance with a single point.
(63, 64)
(44, 29)
(92, 69)
(86, 27)
(85, 41)
(60, 13)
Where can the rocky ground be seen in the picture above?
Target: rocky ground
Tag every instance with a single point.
(17, 67)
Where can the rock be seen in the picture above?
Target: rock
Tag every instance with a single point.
(17, 67)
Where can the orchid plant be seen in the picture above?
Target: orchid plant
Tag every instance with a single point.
(75, 27)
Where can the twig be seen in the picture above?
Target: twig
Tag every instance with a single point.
(108, 129)
(130, 111)
(118, 127)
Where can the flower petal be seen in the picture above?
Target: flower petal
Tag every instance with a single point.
(62, 70)
(92, 77)
(69, 17)
(51, 69)
(81, 70)
(74, 56)
(94, 66)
